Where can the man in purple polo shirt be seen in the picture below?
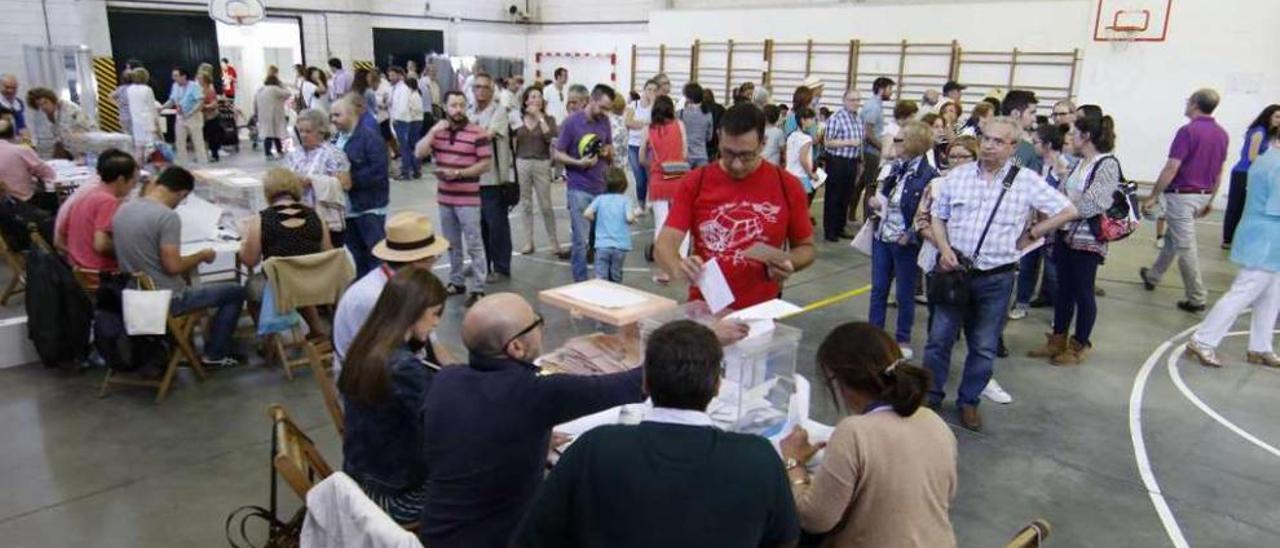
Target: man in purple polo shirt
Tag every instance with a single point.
(584, 166)
(1188, 182)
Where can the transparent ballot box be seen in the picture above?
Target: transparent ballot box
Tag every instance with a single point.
(759, 373)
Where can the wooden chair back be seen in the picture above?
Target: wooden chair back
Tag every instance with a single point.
(18, 264)
(1031, 536)
(296, 458)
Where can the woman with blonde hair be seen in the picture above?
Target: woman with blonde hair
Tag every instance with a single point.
(144, 117)
(286, 228)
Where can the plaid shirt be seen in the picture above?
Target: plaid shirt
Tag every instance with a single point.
(966, 202)
(843, 126)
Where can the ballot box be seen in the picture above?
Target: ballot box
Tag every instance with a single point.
(759, 372)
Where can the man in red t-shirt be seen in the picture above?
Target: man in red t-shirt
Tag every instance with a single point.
(734, 204)
(86, 234)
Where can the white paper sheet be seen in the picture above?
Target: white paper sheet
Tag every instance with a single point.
(714, 287)
(768, 310)
(1034, 246)
(603, 295)
(199, 219)
(820, 178)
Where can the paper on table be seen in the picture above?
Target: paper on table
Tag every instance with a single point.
(770, 310)
(199, 219)
(603, 295)
(714, 287)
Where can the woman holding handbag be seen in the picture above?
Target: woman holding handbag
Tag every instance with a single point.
(1077, 251)
(664, 153)
(896, 247)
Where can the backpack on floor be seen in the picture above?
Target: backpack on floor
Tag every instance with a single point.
(1122, 218)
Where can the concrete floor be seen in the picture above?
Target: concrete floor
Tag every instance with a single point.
(121, 471)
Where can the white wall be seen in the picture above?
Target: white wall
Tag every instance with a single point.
(1228, 46)
(252, 40)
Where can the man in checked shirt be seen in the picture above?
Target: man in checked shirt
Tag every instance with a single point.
(960, 215)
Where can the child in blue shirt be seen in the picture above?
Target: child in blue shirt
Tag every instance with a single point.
(612, 213)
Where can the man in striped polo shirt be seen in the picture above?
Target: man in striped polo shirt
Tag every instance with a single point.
(462, 152)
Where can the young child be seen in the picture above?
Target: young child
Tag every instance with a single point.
(800, 150)
(612, 213)
(773, 135)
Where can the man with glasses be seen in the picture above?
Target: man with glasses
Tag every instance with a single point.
(495, 230)
(965, 209)
(1188, 183)
(844, 150)
(1064, 113)
(488, 424)
(733, 205)
(585, 147)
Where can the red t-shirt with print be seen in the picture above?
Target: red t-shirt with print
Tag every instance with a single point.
(725, 217)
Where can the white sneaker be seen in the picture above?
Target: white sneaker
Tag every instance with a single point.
(907, 354)
(1018, 312)
(995, 393)
(1159, 242)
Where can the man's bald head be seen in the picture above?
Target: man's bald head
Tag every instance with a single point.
(9, 85)
(493, 320)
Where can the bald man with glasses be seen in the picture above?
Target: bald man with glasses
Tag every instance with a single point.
(488, 424)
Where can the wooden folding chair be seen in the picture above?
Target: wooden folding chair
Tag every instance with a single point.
(1031, 536)
(328, 388)
(296, 458)
(18, 264)
(180, 330)
(315, 352)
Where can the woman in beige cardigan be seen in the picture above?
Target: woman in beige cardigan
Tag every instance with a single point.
(888, 476)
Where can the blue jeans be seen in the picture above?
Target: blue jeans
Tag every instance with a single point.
(579, 229)
(641, 174)
(981, 321)
(1029, 270)
(609, 261)
(227, 298)
(408, 133)
(890, 262)
(362, 234)
(1079, 273)
(495, 229)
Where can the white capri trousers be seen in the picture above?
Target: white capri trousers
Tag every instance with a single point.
(1252, 287)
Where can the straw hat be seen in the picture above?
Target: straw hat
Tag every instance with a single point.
(410, 237)
(812, 82)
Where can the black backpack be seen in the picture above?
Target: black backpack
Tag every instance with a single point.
(118, 350)
(59, 314)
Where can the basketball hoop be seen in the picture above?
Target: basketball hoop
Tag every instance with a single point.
(238, 13)
(1122, 36)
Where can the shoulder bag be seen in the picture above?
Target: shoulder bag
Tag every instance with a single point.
(952, 287)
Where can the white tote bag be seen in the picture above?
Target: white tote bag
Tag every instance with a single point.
(146, 312)
(862, 241)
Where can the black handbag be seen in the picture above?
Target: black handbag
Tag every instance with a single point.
(510, 194)
(952, 287)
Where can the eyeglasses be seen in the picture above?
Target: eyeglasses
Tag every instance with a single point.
(898, 139)
(537, 322)
(745, 157)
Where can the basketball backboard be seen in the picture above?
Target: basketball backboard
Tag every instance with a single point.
(1132, 20)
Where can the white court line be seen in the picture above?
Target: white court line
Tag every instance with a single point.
(1186, 392)
(1140, 447)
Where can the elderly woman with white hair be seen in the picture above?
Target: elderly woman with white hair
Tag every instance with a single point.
(324, 169)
